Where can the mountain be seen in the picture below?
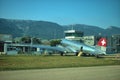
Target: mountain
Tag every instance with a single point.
(112, 30)
(49, 30)
(42, 29)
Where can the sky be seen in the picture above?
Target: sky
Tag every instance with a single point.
(102, 13)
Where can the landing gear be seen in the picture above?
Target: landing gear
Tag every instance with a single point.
(76, 54)
(97, 56)
(61, 53)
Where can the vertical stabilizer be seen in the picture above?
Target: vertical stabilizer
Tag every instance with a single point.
(102, 43)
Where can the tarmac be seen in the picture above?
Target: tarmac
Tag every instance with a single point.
(79, 73)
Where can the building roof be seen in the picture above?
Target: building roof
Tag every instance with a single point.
(72, 31)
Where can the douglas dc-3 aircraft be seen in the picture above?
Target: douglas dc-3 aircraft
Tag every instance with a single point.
(74, 47)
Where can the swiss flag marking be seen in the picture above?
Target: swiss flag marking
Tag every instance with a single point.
(102, 42)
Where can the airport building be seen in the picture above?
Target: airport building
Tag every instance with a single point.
(79, 36)
(7, 47)
(73, 35)
(4, 40)
(115, 43)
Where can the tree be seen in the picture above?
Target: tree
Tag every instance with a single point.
(29, 40)
(26, 39)
(36, 41)
(54, 42)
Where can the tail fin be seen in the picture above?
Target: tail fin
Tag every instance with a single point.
(102, 42)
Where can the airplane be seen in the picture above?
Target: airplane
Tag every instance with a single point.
(69, 46)
(74, 47)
